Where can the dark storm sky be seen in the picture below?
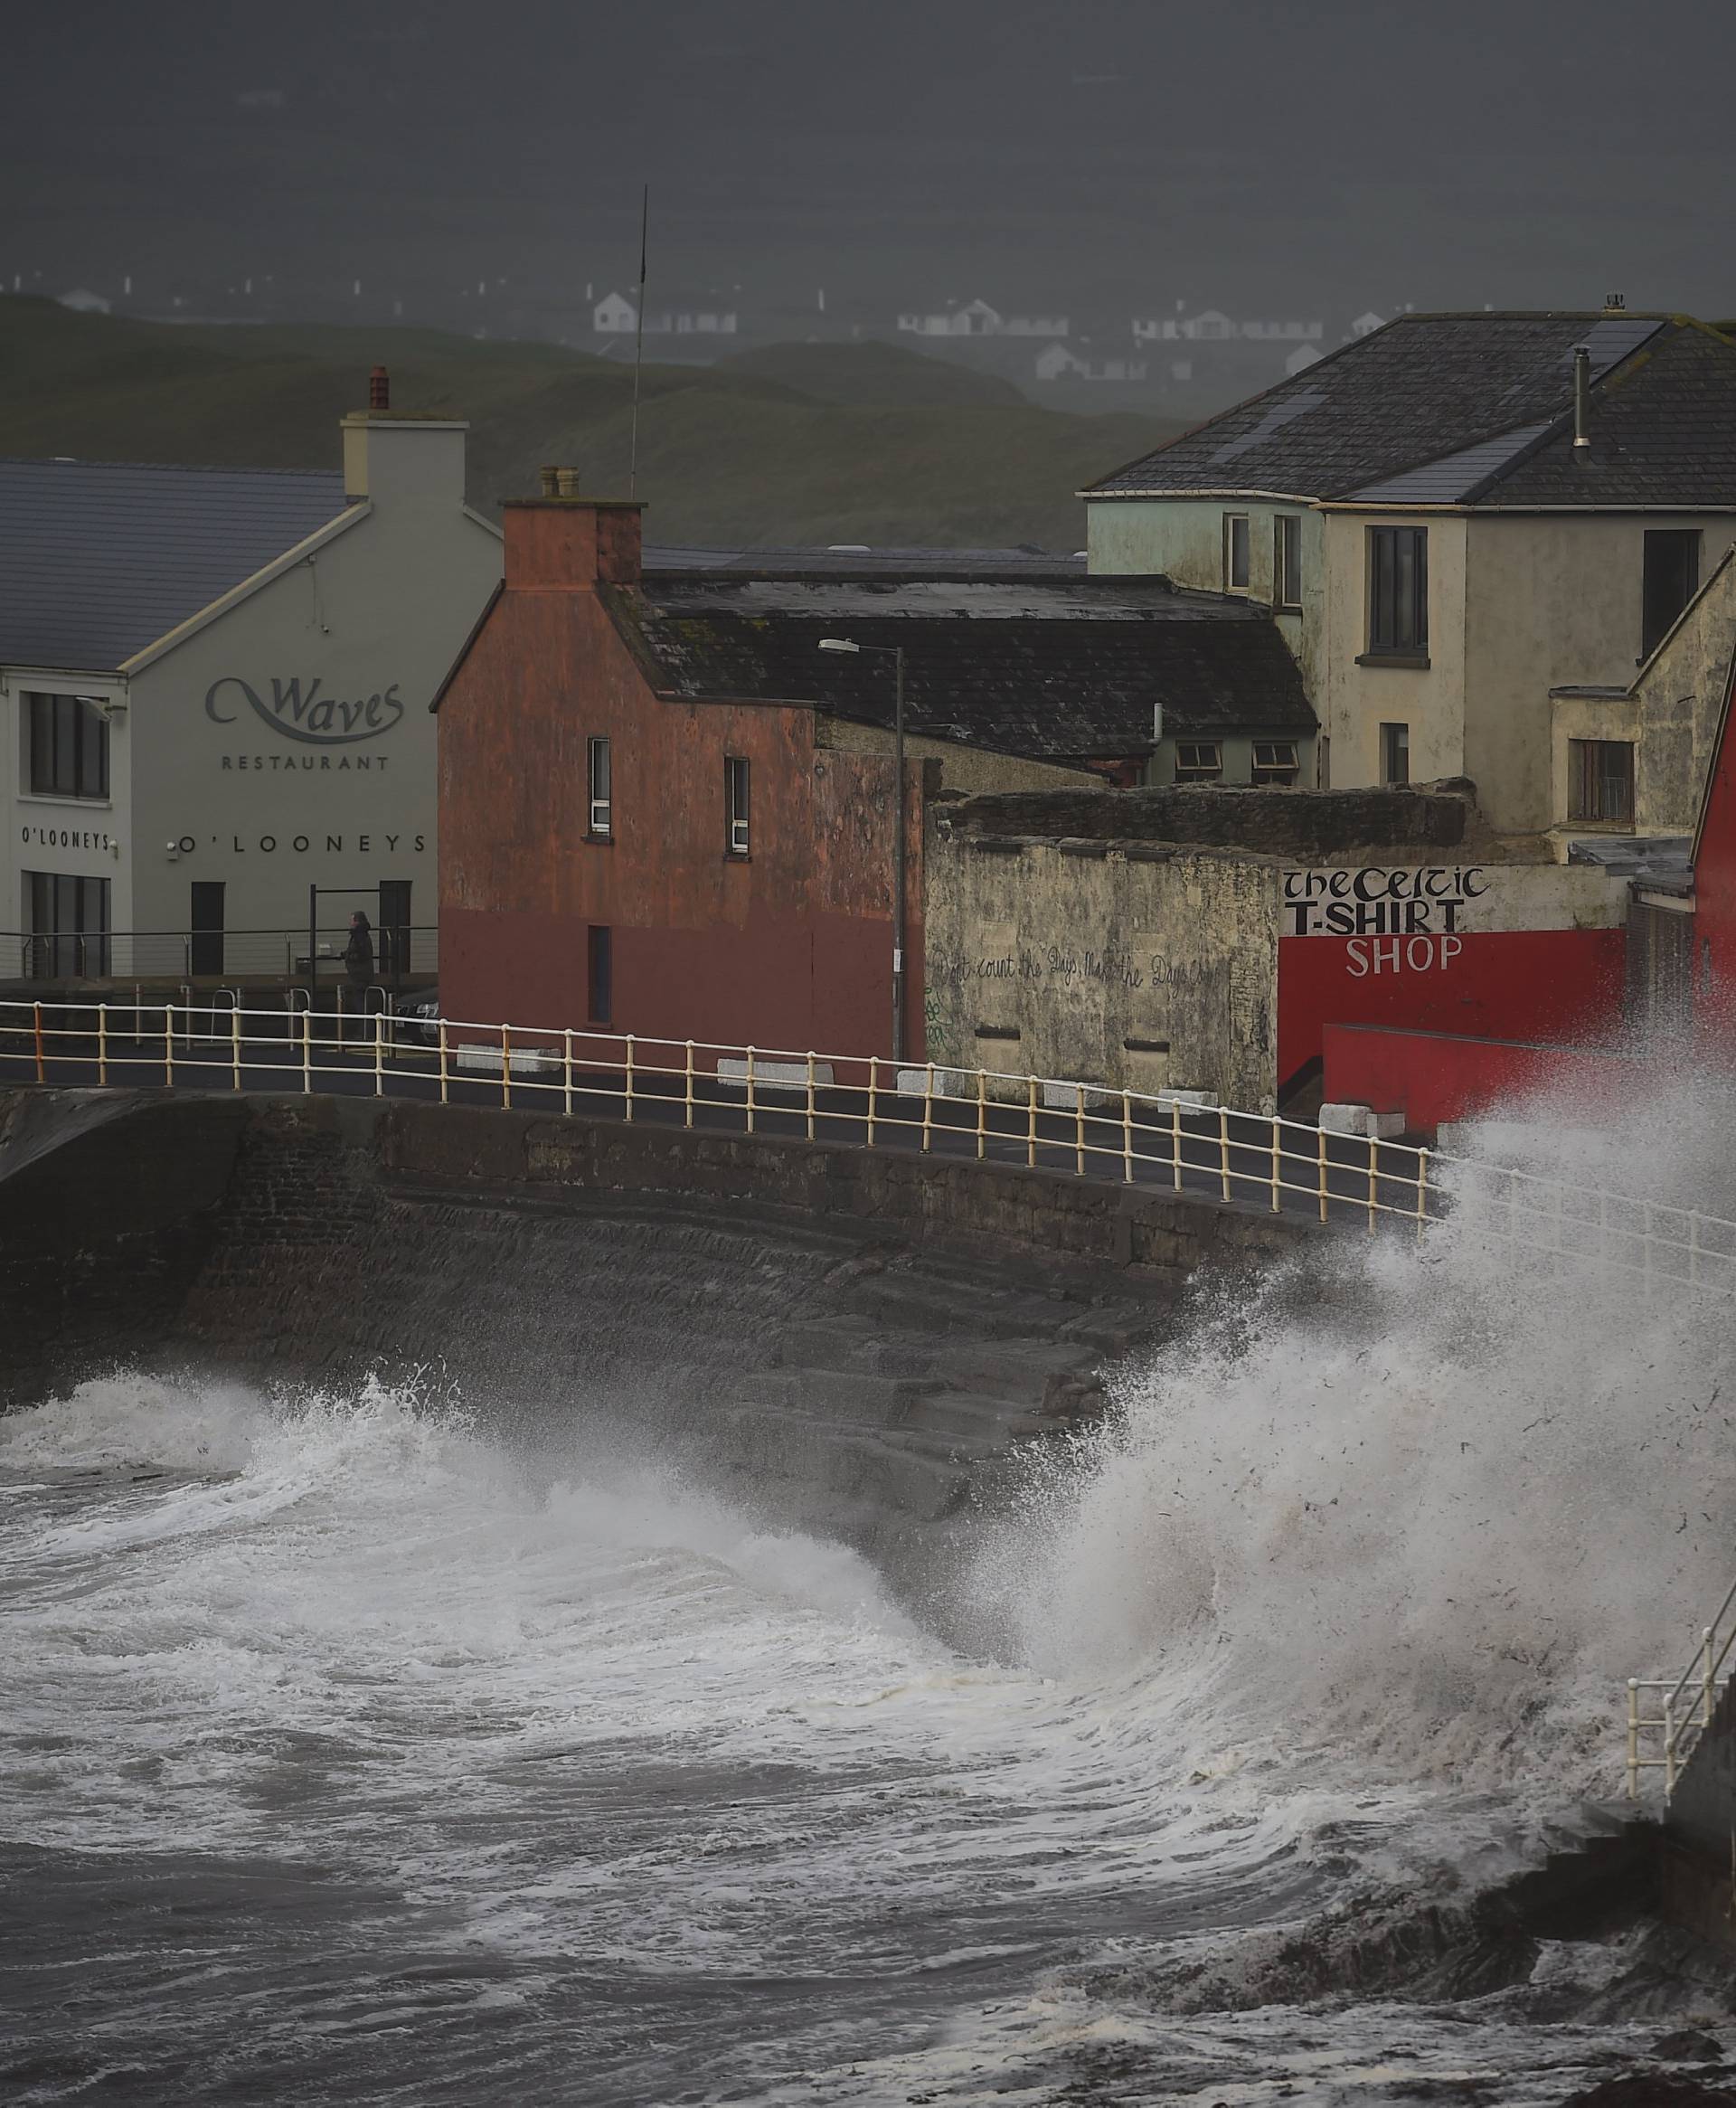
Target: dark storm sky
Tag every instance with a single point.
(1269, 155)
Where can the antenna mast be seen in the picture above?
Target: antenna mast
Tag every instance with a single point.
(638, 343)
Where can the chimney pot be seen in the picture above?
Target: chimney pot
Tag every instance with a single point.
(378, 389)
(551, 478)
(567, 482)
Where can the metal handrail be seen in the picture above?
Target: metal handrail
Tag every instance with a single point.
(168, 954)
(1706, 1675)
(1098, 1132)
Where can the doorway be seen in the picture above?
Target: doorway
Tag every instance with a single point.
(205, 927)
(394, 929)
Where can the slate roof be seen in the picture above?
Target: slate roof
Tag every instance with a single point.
(851, 562)
(1058, 669)
(99, 559)
(1477, 409)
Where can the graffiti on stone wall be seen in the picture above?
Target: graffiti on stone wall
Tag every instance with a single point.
(1070, 969)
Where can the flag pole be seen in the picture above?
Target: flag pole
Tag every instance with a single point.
(639, 345)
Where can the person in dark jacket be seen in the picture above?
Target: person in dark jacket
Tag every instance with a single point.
(358, 953)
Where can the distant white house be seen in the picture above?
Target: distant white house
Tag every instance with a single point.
(977, 319)
(1301, 358)
(1211, 326)
(83, 301)
(1366, 324)
(1057, 362)
(615, 316)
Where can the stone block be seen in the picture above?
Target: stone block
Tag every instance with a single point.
(783, 1075)
(1363, 1121)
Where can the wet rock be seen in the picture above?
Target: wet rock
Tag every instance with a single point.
(1652, 2090)
(1688, 2046)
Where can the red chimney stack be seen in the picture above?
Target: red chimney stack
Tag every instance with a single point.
(378, 389)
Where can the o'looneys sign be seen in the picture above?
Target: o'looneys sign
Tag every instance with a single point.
(320, 721)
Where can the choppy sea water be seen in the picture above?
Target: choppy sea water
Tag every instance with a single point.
(353, 1751)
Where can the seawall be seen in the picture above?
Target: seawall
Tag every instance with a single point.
(854, 1340)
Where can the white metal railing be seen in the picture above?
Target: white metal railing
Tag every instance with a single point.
(1129, 1137)
(1665, 1740)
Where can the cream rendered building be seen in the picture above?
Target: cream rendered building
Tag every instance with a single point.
(213, 695)
(1471, 536)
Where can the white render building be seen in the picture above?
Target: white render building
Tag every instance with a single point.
(213, 695)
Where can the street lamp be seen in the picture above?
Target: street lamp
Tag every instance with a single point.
(895, 652)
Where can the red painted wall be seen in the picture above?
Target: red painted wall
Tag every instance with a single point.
(1553, 985)
(789, 948)
(1431, 1077)
(1714, 908)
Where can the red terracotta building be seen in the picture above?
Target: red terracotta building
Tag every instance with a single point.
(665, 811)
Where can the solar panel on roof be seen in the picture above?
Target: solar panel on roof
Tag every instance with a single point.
(1612, 339)
(1451, 477)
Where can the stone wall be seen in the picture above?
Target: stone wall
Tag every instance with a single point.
(1680, 698)
(1310, 823)
(850, 1342)
(108, 1206)
(1120, 964)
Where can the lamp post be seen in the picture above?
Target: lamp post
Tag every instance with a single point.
(895, 652)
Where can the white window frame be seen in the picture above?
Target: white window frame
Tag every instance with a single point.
(599, 801)
(1287, 538)
(737, 810)
(1273, 770)
(1199, 771)
(1231, 521)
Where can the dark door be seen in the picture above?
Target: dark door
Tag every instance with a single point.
(394, 929)
(206, 926)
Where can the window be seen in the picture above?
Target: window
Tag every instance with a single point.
(1276, 761)
(735, 802)
(601, 803)
(599, 974)
(69, 747)
(1198, 761)
(1672, 578)
(69, 926)
(1398, 592)
(1235, 553)
(1286, 561)
(1600, 778)
(1395, 753)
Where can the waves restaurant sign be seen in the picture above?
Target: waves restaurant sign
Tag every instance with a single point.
(306, 713)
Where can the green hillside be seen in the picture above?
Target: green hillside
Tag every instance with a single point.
(798, 443)
(873, 375)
